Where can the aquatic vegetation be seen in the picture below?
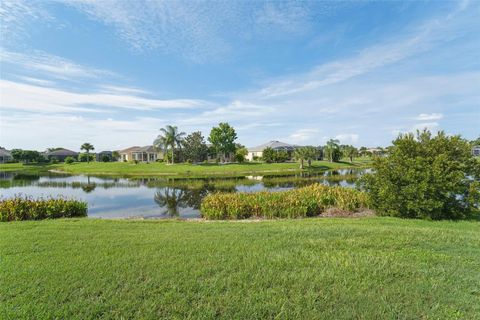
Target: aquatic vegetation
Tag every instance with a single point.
(297, 203)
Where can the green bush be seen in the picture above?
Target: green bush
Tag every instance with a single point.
(297, 203)
(425, 177)
(27, 208)
(69, 160)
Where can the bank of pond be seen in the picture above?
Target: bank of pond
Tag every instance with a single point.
(117, 197)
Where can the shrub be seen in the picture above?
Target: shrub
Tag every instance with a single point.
(106, 158)
(27, 208)
(54, 161)
(425, 177)
(298, 203)
(69, 160)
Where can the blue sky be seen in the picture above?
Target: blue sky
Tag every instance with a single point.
(113, 72)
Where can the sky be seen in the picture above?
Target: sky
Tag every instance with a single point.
(113, 72)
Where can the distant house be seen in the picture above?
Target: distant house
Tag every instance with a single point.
(476, 151)
(257, 152)
(100, 155)
(60, 154)
(5, 155)
(141, 154)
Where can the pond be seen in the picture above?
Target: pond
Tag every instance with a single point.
(114, 197)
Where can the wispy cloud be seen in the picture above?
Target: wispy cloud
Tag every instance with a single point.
(51, 65)
(21, 96)
(429, 116)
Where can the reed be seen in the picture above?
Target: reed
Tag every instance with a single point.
(308, 201)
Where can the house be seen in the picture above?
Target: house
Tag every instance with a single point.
(141, 154)
(476, 151)
(257, 152)
(5, 155)
(101, 155)
(60, 154)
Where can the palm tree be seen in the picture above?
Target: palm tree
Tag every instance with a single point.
(87, 147)
(301, 155)
(170, 137)
(332, 149)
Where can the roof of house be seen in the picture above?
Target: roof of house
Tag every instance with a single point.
(138, 149)
(5, 153)
(61, 152)
(275, 145)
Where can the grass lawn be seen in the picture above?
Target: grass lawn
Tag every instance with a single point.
(378, 268)
(144, 169)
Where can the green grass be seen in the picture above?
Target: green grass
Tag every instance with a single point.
(375, 268)
(162, 169)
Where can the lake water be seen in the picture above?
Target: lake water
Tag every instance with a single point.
(111, 197)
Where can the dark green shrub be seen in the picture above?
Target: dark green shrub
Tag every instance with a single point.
(297, 203)
(54, 161)
(425, 177)
(105, 158)
(27, 208)
(69, 160)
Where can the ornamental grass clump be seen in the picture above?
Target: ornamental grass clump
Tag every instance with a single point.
(27, 208)
(297, 203)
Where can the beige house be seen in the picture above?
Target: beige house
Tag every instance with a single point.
(257, 152)
(140, 154)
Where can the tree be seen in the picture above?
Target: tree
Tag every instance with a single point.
(194, 147)
(115, 155)
(240, 153)
(87, 147)
(26, 156)
(425, 176)
(332, 150)
(350, 152)
(269, 155)
(306, 153)
(223, 139)
(170, 138)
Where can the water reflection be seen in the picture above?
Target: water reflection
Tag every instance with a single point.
(114, 197)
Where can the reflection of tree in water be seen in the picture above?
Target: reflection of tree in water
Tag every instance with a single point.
(170, 200)
(89, 187)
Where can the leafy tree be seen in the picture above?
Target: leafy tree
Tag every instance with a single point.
(332, 150)
(87, 147)
(69, 160)
(26, 156)
(240, 154)
(425, 176)
(362, 151)
(194, 147)
(115, 155)
(85, 157)
(170, 138)
(269, 155)
(223, 139)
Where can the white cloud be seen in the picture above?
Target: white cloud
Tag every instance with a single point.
(304, 135)
(347, 138)
(429, 116)
(75, 130)
(20, 96)
(51, 65)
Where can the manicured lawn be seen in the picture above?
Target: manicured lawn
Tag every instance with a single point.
(375, 268)
(123, 168)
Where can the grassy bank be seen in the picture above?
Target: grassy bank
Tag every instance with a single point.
(162, 169)
(311, 268)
